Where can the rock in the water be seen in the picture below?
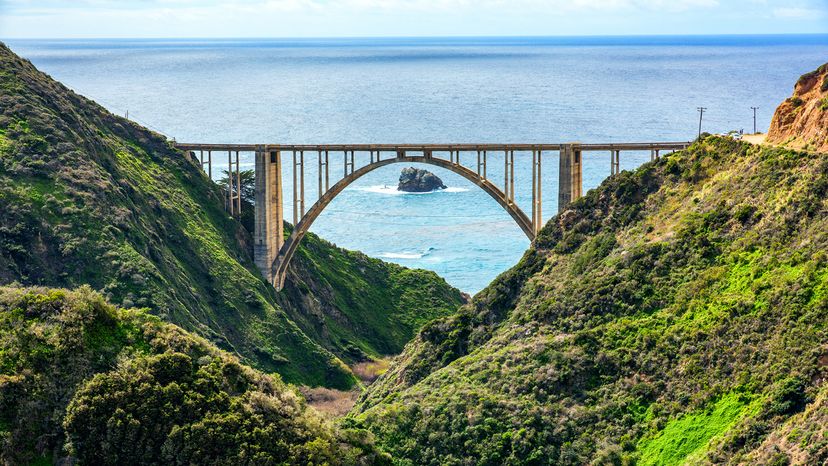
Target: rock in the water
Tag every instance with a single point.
(414, 180)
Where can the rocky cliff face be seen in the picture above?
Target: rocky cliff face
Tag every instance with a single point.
(413, 180)
(801, 121)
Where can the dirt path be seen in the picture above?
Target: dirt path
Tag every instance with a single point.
(758, 138)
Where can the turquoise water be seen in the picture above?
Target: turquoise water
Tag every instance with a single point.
(596, 89)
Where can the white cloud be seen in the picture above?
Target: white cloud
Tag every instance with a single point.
(280, 18)
(21, 6)
(798, 12)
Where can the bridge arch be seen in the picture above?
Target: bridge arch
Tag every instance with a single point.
(272, 254)
(288, 249)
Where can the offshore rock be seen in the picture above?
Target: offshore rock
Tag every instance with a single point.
(414, 180)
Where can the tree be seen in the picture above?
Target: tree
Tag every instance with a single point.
(248, 184)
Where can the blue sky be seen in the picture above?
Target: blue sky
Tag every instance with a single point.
(361, 18)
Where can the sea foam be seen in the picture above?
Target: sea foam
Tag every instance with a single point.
(392, 190)
(405, 254)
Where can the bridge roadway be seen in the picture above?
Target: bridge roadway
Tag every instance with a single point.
(622, 146)
(273, 253)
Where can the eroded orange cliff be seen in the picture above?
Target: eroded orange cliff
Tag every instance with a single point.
(801, 121)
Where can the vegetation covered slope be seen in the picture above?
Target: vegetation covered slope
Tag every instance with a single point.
(333, 294)
(84, 381)
(801, 121)
(90, 198)
(674, 315)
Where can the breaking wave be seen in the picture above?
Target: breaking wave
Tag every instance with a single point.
(406, 254)
(392, 190)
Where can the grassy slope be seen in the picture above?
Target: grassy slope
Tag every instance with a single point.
(675, 315)
(83, 380)
(90, 198)
(337, 296)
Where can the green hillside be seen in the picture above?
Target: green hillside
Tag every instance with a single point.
(674, 315)
(333, 295)
(337, 296)
(84, 381)
(91, 198)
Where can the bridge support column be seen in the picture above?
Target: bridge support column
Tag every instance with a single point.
(208, 161)
(570, 182)
(537, 192)
(269, 226)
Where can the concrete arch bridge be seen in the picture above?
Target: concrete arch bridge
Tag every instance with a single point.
(272, 253)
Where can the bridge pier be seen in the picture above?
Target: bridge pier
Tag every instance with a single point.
(615, 162)
(537, 191)
(269, 226)
(570, 178)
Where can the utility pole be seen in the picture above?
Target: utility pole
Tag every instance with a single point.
(754, 119)
(701, 112)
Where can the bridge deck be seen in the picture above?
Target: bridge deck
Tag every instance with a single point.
(623, 146)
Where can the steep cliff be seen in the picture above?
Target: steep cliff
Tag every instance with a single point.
(674, 315)
(90, 198)
(801, 121)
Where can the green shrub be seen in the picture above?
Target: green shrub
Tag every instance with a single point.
(744, 213)
(779, 459)
(171, 409)
(81, 380)
(788, 397)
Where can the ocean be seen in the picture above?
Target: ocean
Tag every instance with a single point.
(435, 90)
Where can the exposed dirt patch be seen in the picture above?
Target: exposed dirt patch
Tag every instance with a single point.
(331, 403)
(335, 403)
(757, 138)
